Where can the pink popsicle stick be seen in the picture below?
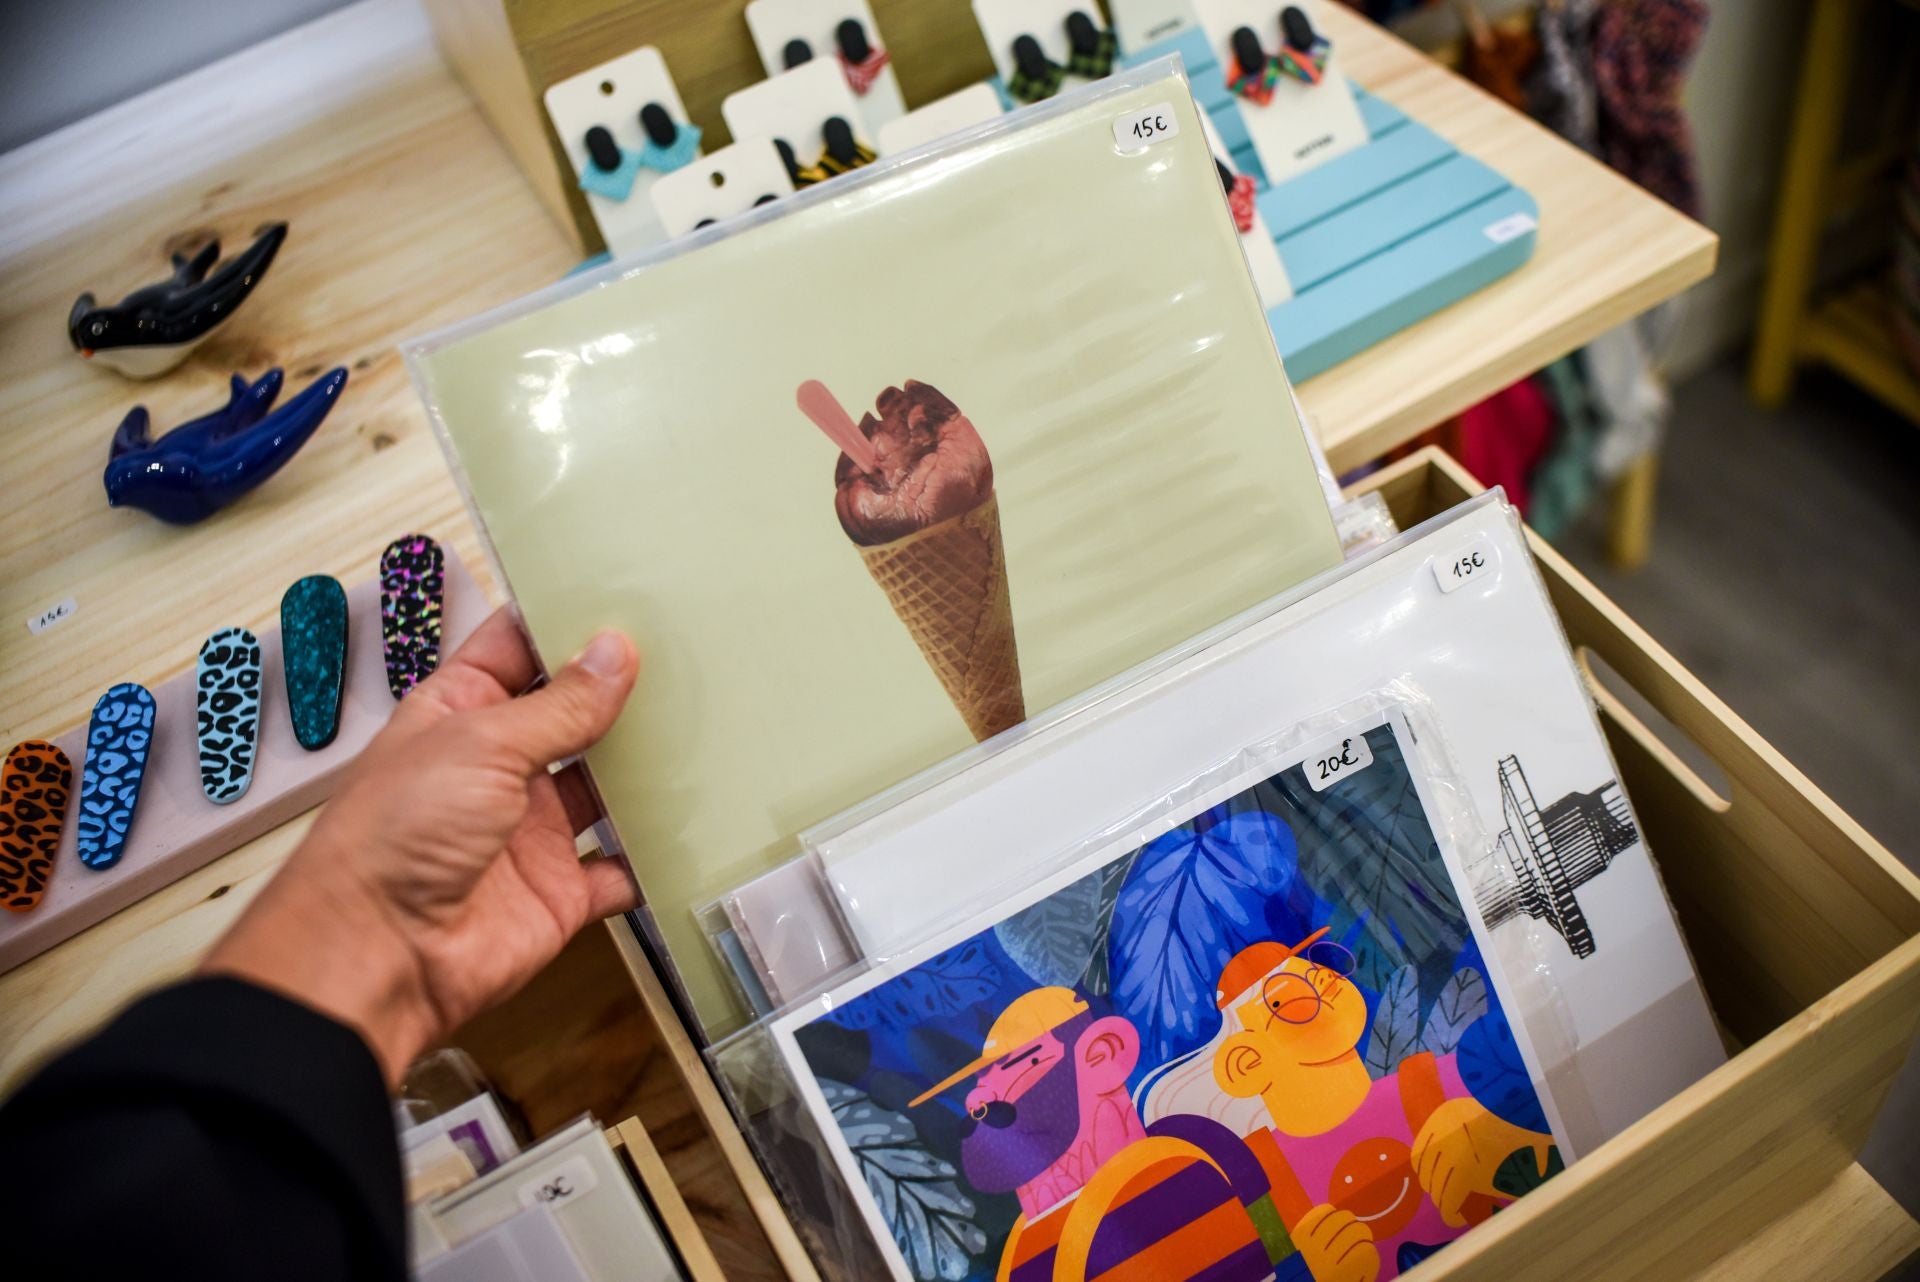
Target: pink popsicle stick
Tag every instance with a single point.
(818, 404)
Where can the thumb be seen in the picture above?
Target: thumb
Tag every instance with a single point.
(572, 711)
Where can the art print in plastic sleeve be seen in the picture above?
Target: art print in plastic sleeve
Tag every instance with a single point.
(1263, 1041)
(877, 471)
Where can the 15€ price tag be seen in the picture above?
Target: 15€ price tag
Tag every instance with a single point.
(1468, 563)
(1335, 759)
(1138, 130)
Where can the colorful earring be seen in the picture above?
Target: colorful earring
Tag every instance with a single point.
(411, 585)
(1303, 51)
(1035, 77)
(1240, 193)
(118, 739)
(35, 782)
(1253, 75)
(227, 700)
(843, 152)
(611, 169)
(669, 146)
(1093, 48)
(859, 59)
(313, 643)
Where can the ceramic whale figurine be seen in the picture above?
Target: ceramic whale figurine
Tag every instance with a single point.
(153, 329)
(201, 466)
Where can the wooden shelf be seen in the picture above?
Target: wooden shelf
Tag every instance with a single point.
(1853, 332)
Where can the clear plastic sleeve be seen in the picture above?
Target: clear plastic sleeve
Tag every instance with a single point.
(876, 471)
(1311, 897)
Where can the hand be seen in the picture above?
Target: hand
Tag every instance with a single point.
(1458, 1151)
(443, 874)
(1336, 1246)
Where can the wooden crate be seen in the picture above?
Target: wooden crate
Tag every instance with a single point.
(1807, 935)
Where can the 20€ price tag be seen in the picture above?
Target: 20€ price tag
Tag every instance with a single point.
(1468, 563)
(1138, 130)
(1335, 759)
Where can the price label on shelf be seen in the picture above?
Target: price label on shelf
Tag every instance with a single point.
(1469, 563)
(1138, 130)
(58, 612)
(1335, 760)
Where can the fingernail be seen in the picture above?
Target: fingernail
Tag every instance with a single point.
(604, 655)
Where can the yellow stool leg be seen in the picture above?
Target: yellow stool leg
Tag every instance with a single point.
(1630, 524)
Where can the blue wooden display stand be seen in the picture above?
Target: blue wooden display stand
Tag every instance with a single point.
(1374, 240)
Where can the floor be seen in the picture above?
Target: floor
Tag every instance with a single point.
(1785, 574)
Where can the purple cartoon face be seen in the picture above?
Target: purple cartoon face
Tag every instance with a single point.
(1024, 1111)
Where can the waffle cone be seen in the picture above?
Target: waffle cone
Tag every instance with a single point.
(948, 584)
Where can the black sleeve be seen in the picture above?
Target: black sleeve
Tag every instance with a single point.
(213, 1131)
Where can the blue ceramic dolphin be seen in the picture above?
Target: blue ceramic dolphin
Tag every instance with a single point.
(200, 467)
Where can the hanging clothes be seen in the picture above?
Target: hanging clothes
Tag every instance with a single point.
(1641, 51)
(1498, 59)
(1503, 438)
(1563, 483)
(1560, 92)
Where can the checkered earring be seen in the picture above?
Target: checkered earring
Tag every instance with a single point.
(1036, 77)
(1093, 47)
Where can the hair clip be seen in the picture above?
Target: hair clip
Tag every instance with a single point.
(227, 701)
(796, 53)
(859, 59)
(35, 782)
(1240, 193)
(1253, 75)
(843, 152)
(1303, 51)
(118, 738)
(313, 644)
(205, 464)
(153, 329)
(1035, 77)
(1093, 47)
(411, 584)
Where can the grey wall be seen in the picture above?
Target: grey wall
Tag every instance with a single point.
(62, 60)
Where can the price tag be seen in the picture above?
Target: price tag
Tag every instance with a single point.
(1468, 563)
(1335, 759)
(59, 612)
(1509, 228)
(570, 1179)
(1138, 130)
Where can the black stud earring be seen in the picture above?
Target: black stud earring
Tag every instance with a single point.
(767, 199)
(1248, 53)
(852, 38)
(1296, 29)
(796, 53)
(658, 124)
(787, 158)
(1029, 57)
(602, 150)
(1081, 33)
(840, 143)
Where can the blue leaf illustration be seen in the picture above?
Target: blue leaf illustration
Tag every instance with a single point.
(1053, 940)
(930, 1217)
(1461, 1001)
(1098, 980)
(956, 980)
(1396, 1023)
(1193, 899)
(1490, 1065)
(1366, 848)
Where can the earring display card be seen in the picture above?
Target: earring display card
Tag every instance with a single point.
(175, 829)
(794, 107)
(714, 189)
(1003, 22)
(1210, 1040)
(1038, 496)
(973, 105)
(1303, 125)
(611, 96)
(1457, 609)
(821, 26)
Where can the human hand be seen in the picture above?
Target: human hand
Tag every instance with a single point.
(1336, 1245)
(443, 874)
(1460, 1149)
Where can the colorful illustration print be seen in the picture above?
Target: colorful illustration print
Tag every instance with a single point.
(1260, 1045)
(412, 581)
(313, 639)
(35, 782)
(227, 700)
(118, 739)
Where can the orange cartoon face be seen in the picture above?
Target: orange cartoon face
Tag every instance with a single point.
(1305, 1013)
(1374, 1183)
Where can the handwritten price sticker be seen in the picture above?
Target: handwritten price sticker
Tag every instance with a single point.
(58, 612)
(1139, 130)
(1469, 563)
(1336, 759)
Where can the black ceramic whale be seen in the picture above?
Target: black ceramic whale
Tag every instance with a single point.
(153, 329)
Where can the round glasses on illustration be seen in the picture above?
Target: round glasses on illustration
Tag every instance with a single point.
(1295, 997)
